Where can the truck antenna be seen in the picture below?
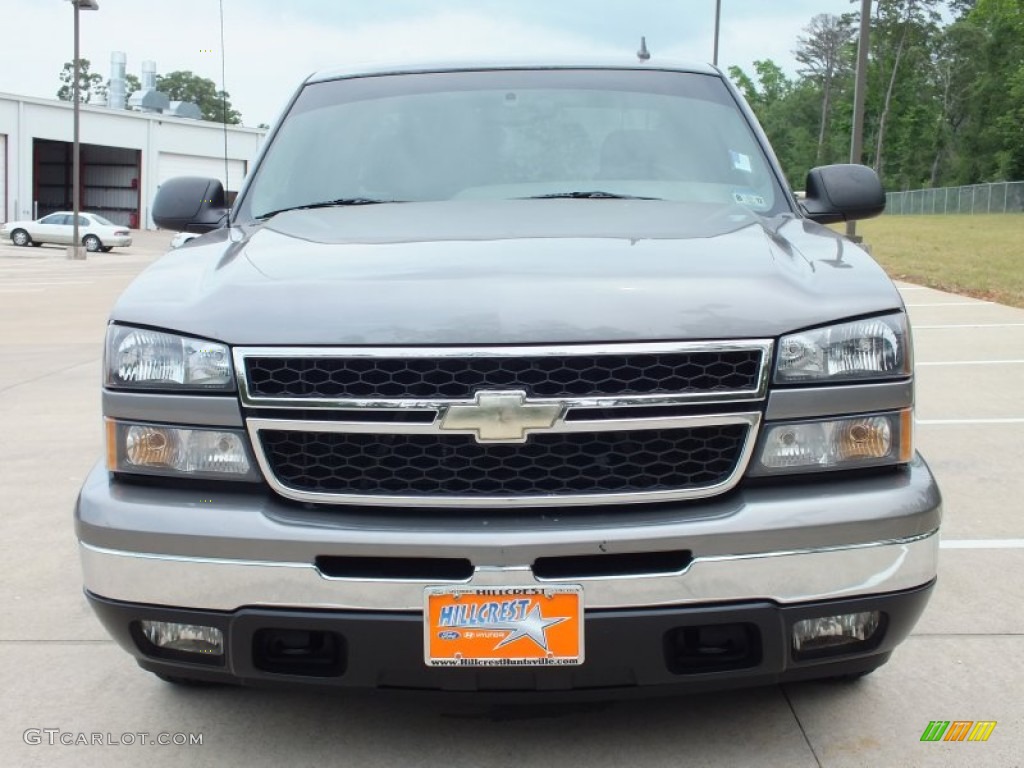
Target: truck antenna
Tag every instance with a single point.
(643, 54)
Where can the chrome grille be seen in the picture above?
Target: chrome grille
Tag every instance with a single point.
(658, 370)
(446, 426)
(458, 466)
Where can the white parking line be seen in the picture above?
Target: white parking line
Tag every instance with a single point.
(22, 269)
(978, 303)
(966, 325)
(949, 422)
(972, 362)
(19, 283)
(981, 544)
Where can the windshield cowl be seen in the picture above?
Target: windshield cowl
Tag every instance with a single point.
(339, 203)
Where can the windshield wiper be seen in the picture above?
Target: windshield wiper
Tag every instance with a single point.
(592, 195)
(341, 202)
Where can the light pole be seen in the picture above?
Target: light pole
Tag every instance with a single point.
(859, 95)
(75, 251)
(718, 26)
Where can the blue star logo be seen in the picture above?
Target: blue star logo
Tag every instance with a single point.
(532, 626)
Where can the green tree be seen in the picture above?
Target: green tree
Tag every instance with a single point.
(826, 58)
(187, 86)
(962, 7)
(901, 34)
(90, 86)
(993, 143)
(132, 84)
(955, 69)
(788, 112)
(945, 97)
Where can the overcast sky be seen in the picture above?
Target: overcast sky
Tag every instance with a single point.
(273, 44)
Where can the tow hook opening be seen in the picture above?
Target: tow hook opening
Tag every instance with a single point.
(310, 653)
(712, 648)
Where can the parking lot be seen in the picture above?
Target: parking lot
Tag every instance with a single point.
(61, 674)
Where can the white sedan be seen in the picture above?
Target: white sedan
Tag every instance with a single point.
(95, 232)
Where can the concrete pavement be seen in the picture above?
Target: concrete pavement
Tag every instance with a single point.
(63, 676)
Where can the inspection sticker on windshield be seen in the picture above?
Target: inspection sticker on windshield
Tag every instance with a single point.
(741, 162)
(751, 199)
(503, 626)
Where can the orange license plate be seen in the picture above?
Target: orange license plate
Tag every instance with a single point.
(503, 626)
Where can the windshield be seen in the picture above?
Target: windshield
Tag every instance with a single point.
(100, 220)
(514, 134)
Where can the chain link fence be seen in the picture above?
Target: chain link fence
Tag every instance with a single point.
(999, 197)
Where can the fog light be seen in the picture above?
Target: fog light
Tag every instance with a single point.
(184, 638)
(835, 634)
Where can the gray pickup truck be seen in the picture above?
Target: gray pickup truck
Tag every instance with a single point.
(515, 379)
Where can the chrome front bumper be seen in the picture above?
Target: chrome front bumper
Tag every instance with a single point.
(783, 577)
(787, 544)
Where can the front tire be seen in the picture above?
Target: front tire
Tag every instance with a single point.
(92, 243)
(20, 237)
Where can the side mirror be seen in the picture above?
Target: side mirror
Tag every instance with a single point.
(190, 204)
(843, 193)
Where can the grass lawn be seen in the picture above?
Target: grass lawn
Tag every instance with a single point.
(981, 256)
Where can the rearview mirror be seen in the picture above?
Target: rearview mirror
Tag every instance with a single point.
(843, 193)
(190, 204)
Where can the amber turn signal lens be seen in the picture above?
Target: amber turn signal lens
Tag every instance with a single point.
(848, 443)
(906, 435)
(165, 450)
(152, 446)
(111, 430)
(869, 438)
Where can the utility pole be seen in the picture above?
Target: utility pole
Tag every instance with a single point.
(718, 26)
(859, 95)
(76, 252)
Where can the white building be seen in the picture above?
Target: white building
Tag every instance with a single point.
(125, 156)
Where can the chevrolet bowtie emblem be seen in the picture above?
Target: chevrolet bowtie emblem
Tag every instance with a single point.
(501, 417)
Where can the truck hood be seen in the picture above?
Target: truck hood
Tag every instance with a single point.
(508, 272)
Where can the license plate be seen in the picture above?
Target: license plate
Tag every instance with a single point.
(503, 626)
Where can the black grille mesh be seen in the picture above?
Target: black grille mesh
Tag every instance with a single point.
(457, 465)
(462, 377)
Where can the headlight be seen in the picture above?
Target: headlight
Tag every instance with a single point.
(137, 358)
(878, 347)
(151, 449)
(850, 443)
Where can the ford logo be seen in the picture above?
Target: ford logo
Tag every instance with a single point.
(448, 634)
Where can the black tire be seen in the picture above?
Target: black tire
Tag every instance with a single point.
(186, 682)
(21, 237)
(107, 248)
(92, 243)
